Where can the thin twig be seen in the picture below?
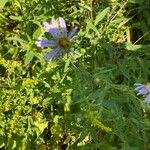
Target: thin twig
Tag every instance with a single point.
(141, 37)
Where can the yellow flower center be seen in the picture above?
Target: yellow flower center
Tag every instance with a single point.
(64, 42)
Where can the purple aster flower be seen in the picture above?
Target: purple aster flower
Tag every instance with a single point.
(143, 90)
(61, 38)
(148, 98)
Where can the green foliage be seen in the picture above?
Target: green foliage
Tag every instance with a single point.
(2, 3)
(82, 101)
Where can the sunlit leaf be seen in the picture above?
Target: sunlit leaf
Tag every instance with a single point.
(101, 15)
(28, 57)
(2, 3)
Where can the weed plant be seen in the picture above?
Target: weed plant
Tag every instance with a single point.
(85, 99)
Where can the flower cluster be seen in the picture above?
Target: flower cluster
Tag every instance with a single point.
(61, 38)
(143, 90)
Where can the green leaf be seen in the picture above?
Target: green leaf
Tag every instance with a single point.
(16, 18)
(2, 3)
(28, 57)
(135, 1)
(67, 65)
(132, 47)
(91, 26)
(2, 142)
(41, 125)
(101, 15)
(137, 47)
(17, 39)
(37, 33)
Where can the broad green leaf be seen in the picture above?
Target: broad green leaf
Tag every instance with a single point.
(37, 33)
(132, 47)
(135, 47)
(17, 18)
(91, 26)
(28, 57)
(101, 15)
(41, 125)
(2, 3)
(47, 101)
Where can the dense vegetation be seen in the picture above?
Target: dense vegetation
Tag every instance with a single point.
(84, 100)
